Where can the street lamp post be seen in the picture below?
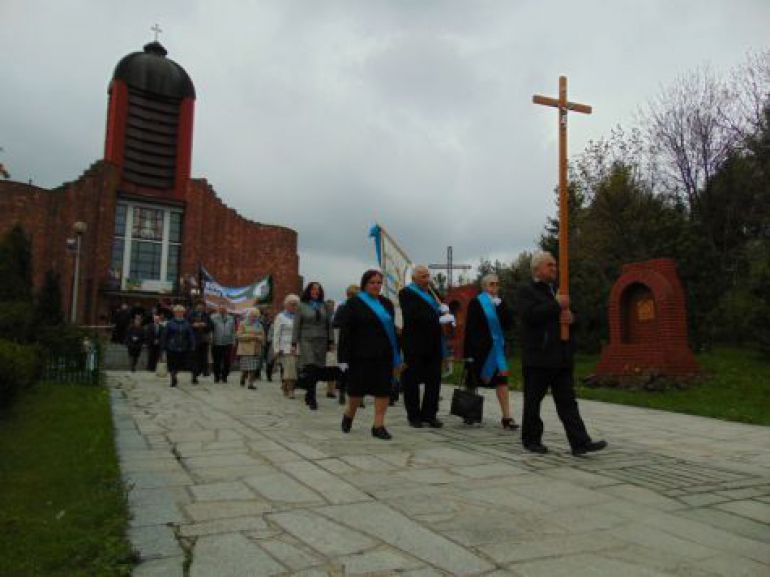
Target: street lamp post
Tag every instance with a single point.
(79, 228)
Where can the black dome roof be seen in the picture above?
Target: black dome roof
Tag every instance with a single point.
(151, 71)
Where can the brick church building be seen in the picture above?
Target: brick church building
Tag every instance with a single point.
(148, 224)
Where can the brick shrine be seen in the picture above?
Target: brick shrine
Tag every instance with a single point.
(648, 323)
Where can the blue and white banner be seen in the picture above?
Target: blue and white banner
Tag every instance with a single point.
(236, 299)
(394, 263)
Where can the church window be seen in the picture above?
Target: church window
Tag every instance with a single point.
(146, 247)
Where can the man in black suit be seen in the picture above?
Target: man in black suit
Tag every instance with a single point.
(547, 361)
(423, 348)
(153, 338)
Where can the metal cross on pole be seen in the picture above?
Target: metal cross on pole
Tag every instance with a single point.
(563, 105)
(157, 31)
(449, 266)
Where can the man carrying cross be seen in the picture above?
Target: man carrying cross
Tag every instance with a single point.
(547, 361)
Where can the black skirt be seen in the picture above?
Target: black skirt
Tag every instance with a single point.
(370, 377)
(473, 380)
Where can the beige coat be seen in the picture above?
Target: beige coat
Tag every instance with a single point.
(250, 340)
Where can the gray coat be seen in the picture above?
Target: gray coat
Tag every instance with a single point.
(313, 334)
(224, 329)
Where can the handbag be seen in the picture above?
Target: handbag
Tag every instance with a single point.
(466, 403)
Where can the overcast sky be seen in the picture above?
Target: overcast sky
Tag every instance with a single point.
(326, 116)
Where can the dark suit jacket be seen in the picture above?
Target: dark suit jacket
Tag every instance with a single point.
(422, 332)
(541, 344)
(478, 336)
(362, 336)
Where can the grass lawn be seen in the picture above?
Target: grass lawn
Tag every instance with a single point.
(63, 510)
(735, 387)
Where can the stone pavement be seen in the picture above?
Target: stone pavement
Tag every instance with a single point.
(228, 482)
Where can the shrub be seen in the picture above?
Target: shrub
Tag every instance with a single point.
(20, 368)
(17, 321)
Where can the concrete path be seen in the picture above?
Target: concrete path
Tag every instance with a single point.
(228, 482)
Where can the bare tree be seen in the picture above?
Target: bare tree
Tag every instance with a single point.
(749, 87)
(685, 128)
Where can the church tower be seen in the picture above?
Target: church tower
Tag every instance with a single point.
(150, 124)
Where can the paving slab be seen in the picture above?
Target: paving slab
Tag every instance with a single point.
(252, 483)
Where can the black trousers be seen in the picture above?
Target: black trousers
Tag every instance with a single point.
(133, 357)
(536, 383)
(307, 379)
(153, 355)
(221, 355)
(176, 361)
(425, 370)
(201, 360)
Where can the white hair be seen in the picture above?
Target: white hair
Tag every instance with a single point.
(252, 312)
(488, 278)
(538, 259)
(290, 298)
(420, 268)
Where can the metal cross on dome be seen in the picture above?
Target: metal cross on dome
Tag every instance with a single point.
(157, 31)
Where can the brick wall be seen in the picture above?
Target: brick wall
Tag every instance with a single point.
(235, 250)
(48, 215)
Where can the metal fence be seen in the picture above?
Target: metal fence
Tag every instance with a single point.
(80, 367)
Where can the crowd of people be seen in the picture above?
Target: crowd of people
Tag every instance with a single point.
(359, 351)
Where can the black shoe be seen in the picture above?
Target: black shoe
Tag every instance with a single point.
(224, 380)
(341, 398)
(381, 433)
(416, 423)
(312, 404)
(331, 396)
(433, 423)
(216, 380)
(509, 424)
(538, 448)
(589, 447)
(346, 424)
(195, 380)
(173, 381)
(362, 405)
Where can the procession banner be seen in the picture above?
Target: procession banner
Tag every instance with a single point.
(394, 263)
(236, 299)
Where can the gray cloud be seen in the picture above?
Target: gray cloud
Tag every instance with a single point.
(327, 116)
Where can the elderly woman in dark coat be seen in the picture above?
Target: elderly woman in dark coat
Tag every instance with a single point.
(312, 336)
(488, 319)
(369, 351)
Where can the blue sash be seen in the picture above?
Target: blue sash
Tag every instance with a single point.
(428, 298)
(424, 296)
(496, 359)
(387, 323)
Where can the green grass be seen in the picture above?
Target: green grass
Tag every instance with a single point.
(63, 510)
(735, 387)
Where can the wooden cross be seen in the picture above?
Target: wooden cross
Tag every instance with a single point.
(157, 31)
(449, 266)
(563, 105)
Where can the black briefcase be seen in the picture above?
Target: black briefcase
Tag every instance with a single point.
(466, 403)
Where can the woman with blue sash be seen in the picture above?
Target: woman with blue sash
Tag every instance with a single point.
(487, 320)
(369, 352)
